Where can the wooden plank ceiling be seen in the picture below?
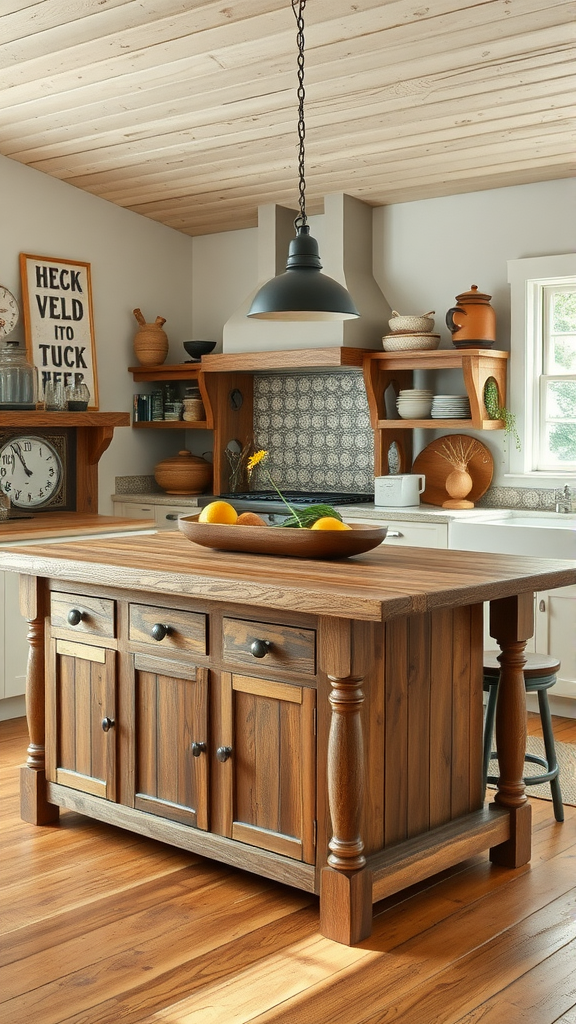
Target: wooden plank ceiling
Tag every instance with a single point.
(185, 110)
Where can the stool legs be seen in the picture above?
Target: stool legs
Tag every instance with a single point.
(489, 730)
(553, 769)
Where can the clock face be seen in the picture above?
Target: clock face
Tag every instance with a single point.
(9, 312)
(31, 471)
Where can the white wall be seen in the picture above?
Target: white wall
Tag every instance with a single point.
(425, 253)
(134, 262)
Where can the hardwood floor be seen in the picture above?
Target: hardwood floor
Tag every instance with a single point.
(100, 926)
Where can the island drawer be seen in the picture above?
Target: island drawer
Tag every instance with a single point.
(172, 629)
(82, 614)
(249, 644)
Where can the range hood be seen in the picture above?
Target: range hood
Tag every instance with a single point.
(346, 254)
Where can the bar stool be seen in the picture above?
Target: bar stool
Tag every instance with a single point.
(540, 673)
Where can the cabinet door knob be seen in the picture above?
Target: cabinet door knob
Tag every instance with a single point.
(223, 753)
(260, 648)
(74, 616)
(542, 606)
(107, 724)
(159, 631)
(172, 516)
(198, 748)
(394, 533)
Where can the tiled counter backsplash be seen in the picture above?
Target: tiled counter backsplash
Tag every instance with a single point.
(316, 427)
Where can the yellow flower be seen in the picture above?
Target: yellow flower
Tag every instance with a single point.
(256, 458)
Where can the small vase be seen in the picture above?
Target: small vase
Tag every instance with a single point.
(458, 483)
(150, 341)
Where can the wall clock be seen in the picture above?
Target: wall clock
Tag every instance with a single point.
(9, 312)
(37, 468)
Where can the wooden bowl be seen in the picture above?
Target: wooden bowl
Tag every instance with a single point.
(274, 540)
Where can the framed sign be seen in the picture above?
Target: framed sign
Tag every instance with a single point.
(58, 320)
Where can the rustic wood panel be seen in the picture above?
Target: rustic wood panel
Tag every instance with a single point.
(186, 630)
(402, 102)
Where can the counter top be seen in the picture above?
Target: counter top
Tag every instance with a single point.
(380, 584)
(47, 525)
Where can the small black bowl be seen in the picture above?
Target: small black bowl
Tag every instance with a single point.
(196, 349)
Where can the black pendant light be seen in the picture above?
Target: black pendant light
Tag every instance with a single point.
(302, 292)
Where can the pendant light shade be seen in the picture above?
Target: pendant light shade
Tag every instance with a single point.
(302, 292)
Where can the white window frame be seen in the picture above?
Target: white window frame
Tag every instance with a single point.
(526, 278)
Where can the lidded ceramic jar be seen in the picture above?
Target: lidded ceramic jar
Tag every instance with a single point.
(150, 341)
(18, 378)
(183, 474)
(472, 322)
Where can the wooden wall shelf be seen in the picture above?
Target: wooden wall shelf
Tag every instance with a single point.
(343, 357)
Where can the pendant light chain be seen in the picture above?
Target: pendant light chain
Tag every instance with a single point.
(298, 8)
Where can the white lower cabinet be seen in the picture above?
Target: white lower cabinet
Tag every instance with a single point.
(14, 655)
(555, 617)
(165, 516)
(417, 535)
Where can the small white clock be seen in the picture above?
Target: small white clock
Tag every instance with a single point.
(9, 312)
(31, 471)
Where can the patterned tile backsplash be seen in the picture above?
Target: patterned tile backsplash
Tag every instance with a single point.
(316, 427)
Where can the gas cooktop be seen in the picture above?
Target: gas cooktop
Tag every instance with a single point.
(301, 497)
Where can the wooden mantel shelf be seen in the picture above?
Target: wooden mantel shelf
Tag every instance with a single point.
(284, 359)
(42, 418)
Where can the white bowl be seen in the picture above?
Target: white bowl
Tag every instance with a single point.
(417, 324)
(410, 342)
(414, 410)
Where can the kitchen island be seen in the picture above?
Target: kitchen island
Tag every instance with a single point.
(319, 723)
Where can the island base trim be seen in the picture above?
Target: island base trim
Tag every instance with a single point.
(186, 837)
(427, 854)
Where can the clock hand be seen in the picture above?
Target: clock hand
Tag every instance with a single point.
(16, 448)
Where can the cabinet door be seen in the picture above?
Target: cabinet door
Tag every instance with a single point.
(171, 740)
(15, 646)
(81, 712)
(272, 765)
(555, 630)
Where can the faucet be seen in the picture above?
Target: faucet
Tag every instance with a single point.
(564, 504)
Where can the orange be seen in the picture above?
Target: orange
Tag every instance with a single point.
(218, 512)
(329, 523)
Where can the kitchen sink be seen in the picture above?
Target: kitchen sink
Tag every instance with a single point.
(541, 534)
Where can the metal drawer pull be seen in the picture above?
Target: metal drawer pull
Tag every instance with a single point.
(173, 516)
(159, 631)
(223, 753)
(107, 724)
(198, 748)
(74, 616)
(260, 648)
(394, 533)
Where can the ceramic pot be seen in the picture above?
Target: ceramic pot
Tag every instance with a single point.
(183, 474)
(472, 322)
(150, 341)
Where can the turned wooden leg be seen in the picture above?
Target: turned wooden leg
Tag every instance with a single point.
(346, 885)
(512, 624)
(33, 804)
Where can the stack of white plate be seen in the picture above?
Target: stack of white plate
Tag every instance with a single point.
(450, 407)
(414, 403)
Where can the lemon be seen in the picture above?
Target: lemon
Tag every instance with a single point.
(329, 523)
(218, 512)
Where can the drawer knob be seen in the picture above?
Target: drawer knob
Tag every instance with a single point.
(107, 724)
(198, 748)
(74, 616)
(159, 631)
(260, 648)
(394, 533)
(223, 753)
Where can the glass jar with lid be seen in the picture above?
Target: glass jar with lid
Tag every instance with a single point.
(18, 377)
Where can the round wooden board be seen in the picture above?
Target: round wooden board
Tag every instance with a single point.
(436, 469)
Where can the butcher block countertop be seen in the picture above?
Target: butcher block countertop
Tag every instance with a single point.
(47, 525)
(381, 584)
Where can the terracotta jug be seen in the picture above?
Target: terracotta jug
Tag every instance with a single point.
(472, 322)
(150, 341)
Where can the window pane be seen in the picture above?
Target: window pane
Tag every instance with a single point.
(561, 399)
(561, 443)
(563, 312)
(563, 354)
